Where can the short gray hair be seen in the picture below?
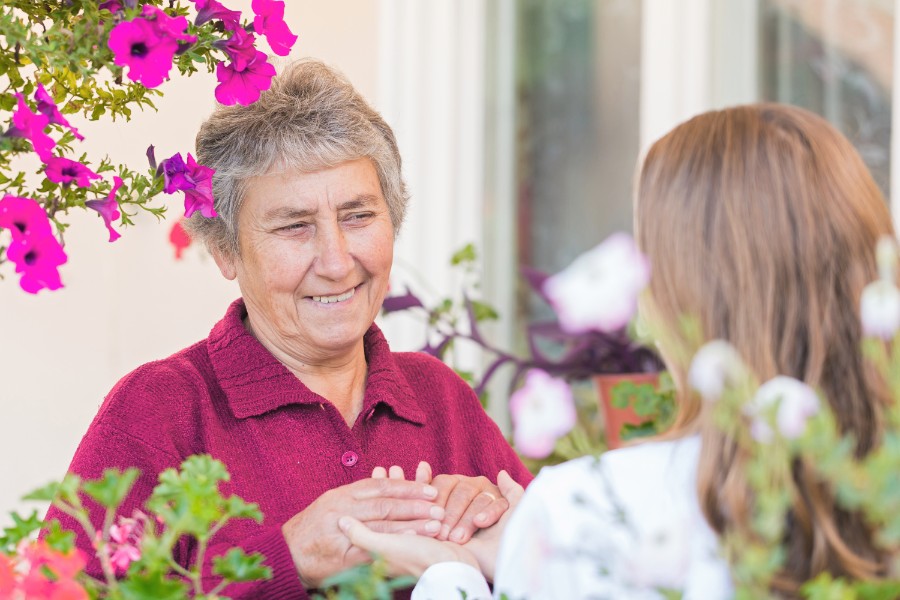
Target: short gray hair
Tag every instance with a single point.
(310, 119)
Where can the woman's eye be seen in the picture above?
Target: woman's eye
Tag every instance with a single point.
(294, 227)
(357, 217)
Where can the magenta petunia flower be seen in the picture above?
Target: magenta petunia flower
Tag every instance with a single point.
(64, 170)
(112, 6)
(210, 9)
(108, 209)
(200, 197)
(47, 107)
(37, 258)
(24, 217)
(31, 125)
(194, 179)
(240, 47)
(145, 49)
(269, 21)
(171, 27)
(243, 86)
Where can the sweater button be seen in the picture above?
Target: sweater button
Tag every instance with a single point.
(349, 458)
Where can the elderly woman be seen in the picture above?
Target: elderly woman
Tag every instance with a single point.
(296, 389)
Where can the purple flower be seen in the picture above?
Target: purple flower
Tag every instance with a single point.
(269, 21)
(542, 411)
(37, 258)
(240, 48)
(112, 6)
(24, 217)
(47, 107)
(170, 27)
(243, 86)
(30, 125)
(210, 9)
(194, 179)
(599, 290)
(142, 47)
(108, 209)
(64, 170)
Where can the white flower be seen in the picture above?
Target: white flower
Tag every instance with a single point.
(542, 411)
(715, 365)
(796, 402)
(599, 290)
(879, 308)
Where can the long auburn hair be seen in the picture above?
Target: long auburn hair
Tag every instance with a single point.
(761, 221)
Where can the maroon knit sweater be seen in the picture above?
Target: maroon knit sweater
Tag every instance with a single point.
(283, 444)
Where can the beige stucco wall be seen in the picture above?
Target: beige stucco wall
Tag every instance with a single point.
(129, 302)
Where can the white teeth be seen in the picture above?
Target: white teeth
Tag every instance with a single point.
(339, 298)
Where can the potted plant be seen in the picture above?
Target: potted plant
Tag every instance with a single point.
(589, 341)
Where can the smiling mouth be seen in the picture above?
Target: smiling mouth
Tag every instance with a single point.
(333, 299)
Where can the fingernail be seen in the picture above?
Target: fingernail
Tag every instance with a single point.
(480, 517)
(436, 512)
(445, 532)
(344, 523)
(457, 535)
(433, 526)
(430, 491)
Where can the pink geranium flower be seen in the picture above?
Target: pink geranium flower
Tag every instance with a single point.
(194, 179)
(269, 21)
(243, 86)
(542, 410)
(600, 289)
(125, 538)
(47, 107)
(31, 125)
(210, 9)
(24, 217)
(37, 258)
(64, 170)
(108, 209)
(146, 50)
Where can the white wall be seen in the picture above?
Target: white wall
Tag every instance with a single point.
(129, 302)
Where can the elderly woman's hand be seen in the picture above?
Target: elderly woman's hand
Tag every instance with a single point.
(320, 549)
(470, 503)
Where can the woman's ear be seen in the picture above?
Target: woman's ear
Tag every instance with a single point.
(226, 261)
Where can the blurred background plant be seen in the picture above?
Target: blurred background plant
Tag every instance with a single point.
(552, 398)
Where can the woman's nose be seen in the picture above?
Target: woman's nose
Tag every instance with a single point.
(333, 260)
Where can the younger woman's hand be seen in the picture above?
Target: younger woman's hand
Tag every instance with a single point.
(405, 554)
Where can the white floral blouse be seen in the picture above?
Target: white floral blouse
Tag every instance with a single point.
(624, 526)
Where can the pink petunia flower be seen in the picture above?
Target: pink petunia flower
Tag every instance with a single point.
(542, 410)
(715, 367)
(31, 125)
(600, 289)
(243, 86)
(145, 49)
(240, 47)
(194, 179)
(108, 209)
(210, 9)
(24, 217)
(64, 170)
(269, 21)
(112, 6)
(37, 258)
(47, 107)
(170, 27)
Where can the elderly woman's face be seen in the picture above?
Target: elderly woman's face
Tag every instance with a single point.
(315, 257)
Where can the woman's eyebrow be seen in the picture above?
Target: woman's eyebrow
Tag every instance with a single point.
(361, 201)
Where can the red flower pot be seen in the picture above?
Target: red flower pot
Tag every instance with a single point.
(615, 418)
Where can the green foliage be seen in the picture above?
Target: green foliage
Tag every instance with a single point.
(21, 529)
(235, 565)
(654, 404)
(363, 582)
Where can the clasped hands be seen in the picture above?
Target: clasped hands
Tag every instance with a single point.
(344, 525)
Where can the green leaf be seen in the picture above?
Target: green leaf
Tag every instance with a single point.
(483, 311)
(113, 487)
(154, 585)
(466, 254)
(58, 538)
(21, 529)
(235, 565)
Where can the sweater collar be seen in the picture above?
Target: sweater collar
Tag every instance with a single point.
(255, 382)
